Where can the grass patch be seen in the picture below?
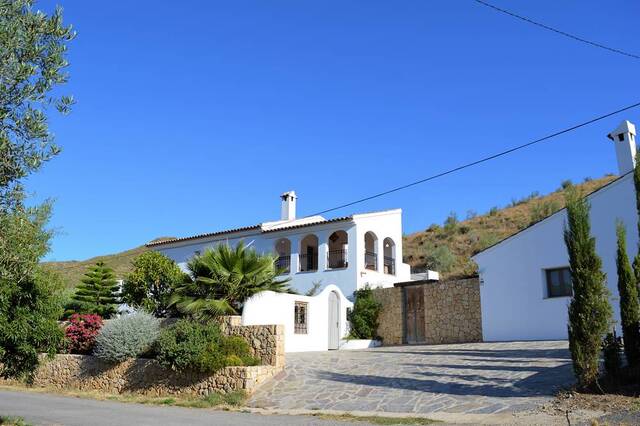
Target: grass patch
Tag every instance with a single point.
(378, 420)
(12, 421)
(212, 400)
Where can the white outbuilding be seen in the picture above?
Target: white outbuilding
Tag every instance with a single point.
(311, 323)
(525, 282)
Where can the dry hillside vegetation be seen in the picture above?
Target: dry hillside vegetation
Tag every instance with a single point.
(448, 248)
(72, 271)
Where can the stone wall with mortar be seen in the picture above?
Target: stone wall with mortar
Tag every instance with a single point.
(452, 312)
(266, 341)
(390, 319)
(144, 376)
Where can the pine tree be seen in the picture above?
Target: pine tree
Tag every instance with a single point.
(629, 304)
(99, 290)
(589, 311)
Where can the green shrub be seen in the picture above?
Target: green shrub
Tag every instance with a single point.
(237, 347)
(566, 184)
(127, 337)
(451, 223)
(493, 211)
(364, 316)
(438, 258)
(151, 283)
(180, 346)
(233, 360)
(189, 345)
(541, 210)
(611, 348)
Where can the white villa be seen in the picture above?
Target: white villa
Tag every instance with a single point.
(341, 254)
(525, 282)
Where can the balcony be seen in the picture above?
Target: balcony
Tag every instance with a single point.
(370, 261)
(283, 264)
(389, 265)
(337, 259)
(308, 262)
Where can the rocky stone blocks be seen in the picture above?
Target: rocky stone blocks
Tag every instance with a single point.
(451, 311)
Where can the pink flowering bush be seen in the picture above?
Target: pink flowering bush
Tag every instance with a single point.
(82, 331)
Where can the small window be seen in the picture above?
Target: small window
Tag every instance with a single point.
(559, 282)
(621, 137)
(300, 318)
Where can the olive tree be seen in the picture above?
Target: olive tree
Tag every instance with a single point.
(32, 64)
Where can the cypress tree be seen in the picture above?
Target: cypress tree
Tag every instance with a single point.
(629, 304)
(589, 310)
(636, 180)
(98, 290)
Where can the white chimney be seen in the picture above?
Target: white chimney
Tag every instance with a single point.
(288, 206)
(624, 137)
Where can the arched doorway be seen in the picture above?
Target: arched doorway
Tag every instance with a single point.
(338, 246)
(334, 321)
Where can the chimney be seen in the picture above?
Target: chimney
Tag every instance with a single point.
(288, 206)
(624, 137)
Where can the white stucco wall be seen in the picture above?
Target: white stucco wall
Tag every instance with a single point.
(513, 283)
(387, 224)
(278, 308)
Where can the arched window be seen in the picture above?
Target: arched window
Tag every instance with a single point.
(338, 246)
(370, 251)
(309, 253)
(283, 255)
(389, 256)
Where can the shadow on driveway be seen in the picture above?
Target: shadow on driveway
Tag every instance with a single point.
(463, 384)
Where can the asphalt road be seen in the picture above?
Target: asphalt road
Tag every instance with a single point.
(47, 409)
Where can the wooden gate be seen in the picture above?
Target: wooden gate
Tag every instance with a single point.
(414, 314)
(334, 321)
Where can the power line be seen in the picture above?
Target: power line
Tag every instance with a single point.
(480, 161)
(563, 33)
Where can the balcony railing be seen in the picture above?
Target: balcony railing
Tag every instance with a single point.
(370, 261)
(337, 259)
(283, 264)
(308, 262)
(389, 265)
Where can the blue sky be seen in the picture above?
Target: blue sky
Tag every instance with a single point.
(194, 116)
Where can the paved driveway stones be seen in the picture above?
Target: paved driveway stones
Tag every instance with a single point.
(479, 378)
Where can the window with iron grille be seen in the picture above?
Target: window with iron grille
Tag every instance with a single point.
(300, 318)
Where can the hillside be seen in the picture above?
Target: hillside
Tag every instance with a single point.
(72, 270)
(448, 248)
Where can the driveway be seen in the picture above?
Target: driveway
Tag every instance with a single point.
(479, 378)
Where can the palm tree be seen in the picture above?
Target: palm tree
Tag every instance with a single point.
(223, 278)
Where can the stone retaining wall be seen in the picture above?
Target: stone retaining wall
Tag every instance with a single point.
(144, 376)
(452, 312)
(266, 341)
